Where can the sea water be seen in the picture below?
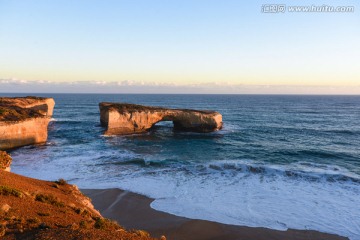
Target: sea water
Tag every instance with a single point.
(279, 162)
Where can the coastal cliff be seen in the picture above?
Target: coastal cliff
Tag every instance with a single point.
(24, 121)
(42, 210)
(124, 118)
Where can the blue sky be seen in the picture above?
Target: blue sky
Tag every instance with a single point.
(229, 45)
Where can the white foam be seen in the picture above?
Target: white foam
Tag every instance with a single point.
(219, 191)
(256, 201)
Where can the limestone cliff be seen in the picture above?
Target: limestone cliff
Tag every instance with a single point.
(24, 121)
(123, 118)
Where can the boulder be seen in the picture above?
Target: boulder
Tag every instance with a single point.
(125, 118)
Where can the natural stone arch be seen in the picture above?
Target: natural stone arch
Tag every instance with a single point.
(124, 118)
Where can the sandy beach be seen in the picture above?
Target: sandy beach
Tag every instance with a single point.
(133, 211)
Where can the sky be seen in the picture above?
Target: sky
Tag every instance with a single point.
(187, 46)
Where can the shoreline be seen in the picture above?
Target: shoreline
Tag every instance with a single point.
(133, 211)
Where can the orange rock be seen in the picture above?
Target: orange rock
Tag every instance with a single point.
(123, 118)
(5, 161)
(24, 121)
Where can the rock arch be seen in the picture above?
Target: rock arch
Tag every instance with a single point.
(124, 118)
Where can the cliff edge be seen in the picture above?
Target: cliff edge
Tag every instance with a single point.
(124, 118)
(24, 121)
(36, 209)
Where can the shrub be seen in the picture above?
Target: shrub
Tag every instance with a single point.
(84, 224)
(50, 199)
(7, 191)
(142, 233)
(61, 182)
(103, 223)
(43, 214)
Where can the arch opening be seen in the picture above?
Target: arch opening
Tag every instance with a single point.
(164, 123)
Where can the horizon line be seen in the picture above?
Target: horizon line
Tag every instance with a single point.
(142, 93)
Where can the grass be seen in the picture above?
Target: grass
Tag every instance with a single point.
(7, 191)
(50, 199)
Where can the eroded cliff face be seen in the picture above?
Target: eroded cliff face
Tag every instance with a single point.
(22, 133)
(24, 121)
(122, 118)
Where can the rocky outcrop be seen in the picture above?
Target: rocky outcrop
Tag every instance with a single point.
(124, 118)
(24, 121)
(5, 161)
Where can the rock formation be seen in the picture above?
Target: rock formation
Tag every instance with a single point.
(5, 161)
(124, 118)
(24, 121)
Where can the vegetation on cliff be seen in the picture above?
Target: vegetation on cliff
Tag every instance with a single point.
(18, 101)
(129, 107)
(17, 108)
(12, 113)
(35, 209)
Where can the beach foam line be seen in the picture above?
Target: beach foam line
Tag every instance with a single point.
(133, 211)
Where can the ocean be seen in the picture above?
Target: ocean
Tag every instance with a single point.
(280, 161)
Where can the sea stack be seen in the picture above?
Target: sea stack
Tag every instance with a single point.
(125, 118)
(24, 121)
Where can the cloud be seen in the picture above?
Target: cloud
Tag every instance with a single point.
(14, 85)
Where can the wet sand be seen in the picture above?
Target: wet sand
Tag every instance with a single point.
(133, 211)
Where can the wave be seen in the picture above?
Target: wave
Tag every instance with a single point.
(294, 171)
(343, 131)
(302, 171)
